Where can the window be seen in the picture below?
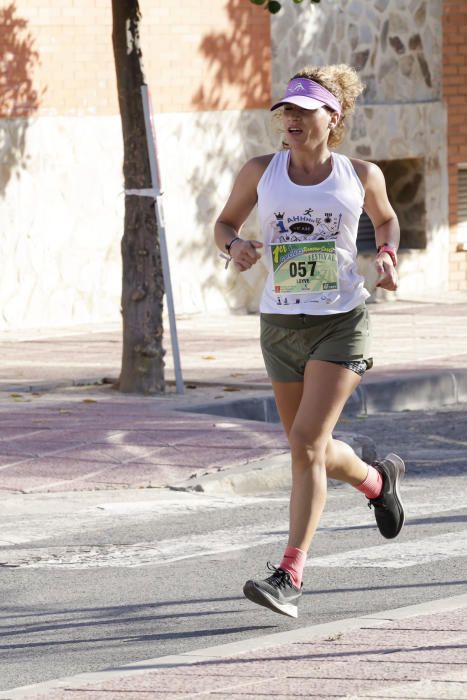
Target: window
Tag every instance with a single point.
(405, 183)
(366, 234)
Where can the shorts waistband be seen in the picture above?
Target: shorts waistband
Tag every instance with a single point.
(297, 321)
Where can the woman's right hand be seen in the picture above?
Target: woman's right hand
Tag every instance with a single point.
(245, 254)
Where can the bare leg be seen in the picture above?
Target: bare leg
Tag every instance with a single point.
(288, 396)
(309, 417)
(342, 463)
(309, 412)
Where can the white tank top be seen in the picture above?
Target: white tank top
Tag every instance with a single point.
(309, 235)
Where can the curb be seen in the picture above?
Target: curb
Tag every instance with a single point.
(303, 634)
(267, 473)
(420, 392)
(417, 392)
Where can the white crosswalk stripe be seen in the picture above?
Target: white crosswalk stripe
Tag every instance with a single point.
(38, 524)
(397, 555)
(226, 541)
(386, 555)
(346, 509)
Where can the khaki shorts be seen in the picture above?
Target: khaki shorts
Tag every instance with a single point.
(289, 341)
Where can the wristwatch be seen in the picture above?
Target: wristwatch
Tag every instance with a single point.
(386, 248)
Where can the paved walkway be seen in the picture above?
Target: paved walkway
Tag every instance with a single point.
(409, 336)
(64, 429)
(413, 652)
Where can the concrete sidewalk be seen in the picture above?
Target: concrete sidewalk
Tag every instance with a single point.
(64, 428)
(410, 337)
(419, 651)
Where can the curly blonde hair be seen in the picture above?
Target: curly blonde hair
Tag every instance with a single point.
(344, 83)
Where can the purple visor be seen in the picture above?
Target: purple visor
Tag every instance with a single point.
(309, 95)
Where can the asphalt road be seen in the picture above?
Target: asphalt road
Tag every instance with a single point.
(94, 580)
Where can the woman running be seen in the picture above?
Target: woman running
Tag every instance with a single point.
(314, 321)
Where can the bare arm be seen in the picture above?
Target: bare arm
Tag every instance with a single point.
(383, 218)
(237, 209)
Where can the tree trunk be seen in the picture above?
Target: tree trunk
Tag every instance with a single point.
(142, 369)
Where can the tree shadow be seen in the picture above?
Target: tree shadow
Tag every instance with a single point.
(239, 74)
(237, 60)
(18, 98)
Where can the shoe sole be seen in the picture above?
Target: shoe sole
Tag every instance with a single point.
(400, 475)
(256, 595)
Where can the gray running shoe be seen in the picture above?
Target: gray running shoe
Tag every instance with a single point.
(277, 592)
(389, 511)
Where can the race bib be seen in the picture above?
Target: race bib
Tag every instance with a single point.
(308, 266)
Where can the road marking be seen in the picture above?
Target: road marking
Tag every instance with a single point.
(399, 555)
(28, 526)
(447, 441)
(142, 553)
(19, 530)
(158, 552)
(57, 516)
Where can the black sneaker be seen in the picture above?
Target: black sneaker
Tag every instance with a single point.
(277, 592)
(389, 511)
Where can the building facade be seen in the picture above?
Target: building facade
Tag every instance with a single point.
(213, 69)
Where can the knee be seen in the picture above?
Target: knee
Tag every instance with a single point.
(304, 448)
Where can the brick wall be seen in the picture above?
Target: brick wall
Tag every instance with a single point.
(61, 54)
(455, 96)
(210, 55)
(197, 56)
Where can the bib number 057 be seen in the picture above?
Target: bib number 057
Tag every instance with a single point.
(300, 269)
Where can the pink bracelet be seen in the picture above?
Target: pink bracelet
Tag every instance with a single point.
(385, 248)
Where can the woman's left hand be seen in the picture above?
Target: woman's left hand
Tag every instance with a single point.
(387, 273)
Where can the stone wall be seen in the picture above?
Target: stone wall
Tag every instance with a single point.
(394, 45)
(397, 49)
(61, 204)
(61, 185)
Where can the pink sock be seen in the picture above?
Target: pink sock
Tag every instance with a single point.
(372, 485)
(293, 561)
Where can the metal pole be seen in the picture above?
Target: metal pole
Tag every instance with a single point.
(156, 191)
